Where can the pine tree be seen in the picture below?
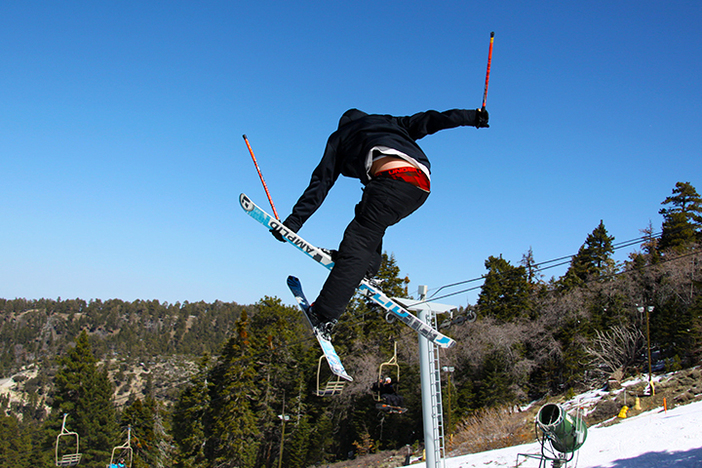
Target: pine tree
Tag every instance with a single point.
(285, 362)
(505, 292)
(142, 417)
(495, 386)
(85, 391)
(15, 443)
(298, 443)
(389, 276)
(189, 419)
(682, 221)
(593, 259)
(235, 435)
(531, 268)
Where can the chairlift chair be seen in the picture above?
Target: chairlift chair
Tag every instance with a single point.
(122, 454)
(383, 371)
(67, 458)
(333, 386)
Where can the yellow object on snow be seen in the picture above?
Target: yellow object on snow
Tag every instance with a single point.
(622, 413)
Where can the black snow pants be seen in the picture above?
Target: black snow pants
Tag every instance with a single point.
(385, 202)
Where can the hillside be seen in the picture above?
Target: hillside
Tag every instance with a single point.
(145, 345)
(497, 437)
(190, 374)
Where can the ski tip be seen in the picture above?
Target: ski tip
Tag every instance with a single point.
(245, 202)
(447, 343)
(293, 281)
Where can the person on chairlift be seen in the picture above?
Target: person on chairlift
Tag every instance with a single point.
(387, 391)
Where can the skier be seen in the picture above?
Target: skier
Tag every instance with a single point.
(119, 464)
(381, 151)
(386, 390)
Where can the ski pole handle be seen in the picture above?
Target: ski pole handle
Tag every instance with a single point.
(265, 187)
(487, 74)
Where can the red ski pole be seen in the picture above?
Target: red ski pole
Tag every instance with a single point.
(265, 187)
(487, 75)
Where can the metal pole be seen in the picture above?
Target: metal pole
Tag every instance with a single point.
(428, 417)
(448, 420)
(283, 417)
(449, 370)
(649, 309)
(425, 371)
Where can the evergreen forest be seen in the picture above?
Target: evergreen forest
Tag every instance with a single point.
(205, 385)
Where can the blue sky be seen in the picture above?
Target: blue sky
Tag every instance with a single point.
(122, 158)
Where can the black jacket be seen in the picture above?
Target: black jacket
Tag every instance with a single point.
(348, 148)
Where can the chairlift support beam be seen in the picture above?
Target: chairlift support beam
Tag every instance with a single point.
(430, 374)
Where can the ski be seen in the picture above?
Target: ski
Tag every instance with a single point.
(327, 347)
(390, 408)
(427, 331)
(366, 287)
(315, 253)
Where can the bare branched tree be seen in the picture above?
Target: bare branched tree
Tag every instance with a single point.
(616, 349)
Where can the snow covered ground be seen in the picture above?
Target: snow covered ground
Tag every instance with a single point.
(656, 439)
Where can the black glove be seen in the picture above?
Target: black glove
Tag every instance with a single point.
(481, 118)
(277, 234)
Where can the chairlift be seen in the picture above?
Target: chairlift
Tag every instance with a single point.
(65, 457)
(122, 454)
(383, 372)
(333, 386)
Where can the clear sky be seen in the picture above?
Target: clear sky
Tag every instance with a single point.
(122, 158)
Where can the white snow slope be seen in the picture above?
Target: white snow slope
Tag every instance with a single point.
(656, 439)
